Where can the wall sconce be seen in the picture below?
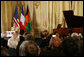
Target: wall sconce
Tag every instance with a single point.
(36, 3)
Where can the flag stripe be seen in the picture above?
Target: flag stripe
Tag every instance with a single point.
(15, 19)
(27, 21)
(22, 20)
(17, 23)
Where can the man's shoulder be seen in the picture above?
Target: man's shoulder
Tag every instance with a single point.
(24, 42)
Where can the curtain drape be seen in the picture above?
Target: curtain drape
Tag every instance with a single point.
(77, 7)
(47, 15)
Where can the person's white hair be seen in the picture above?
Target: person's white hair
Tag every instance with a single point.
(3, 34)
(74, 34)
(12, 43)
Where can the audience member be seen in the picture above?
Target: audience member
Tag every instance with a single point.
(21, 39)
(24, 44)
(3, 34)
(80, 48)
(29, 37)
(56, 41)
(69, 46)
(4, 52)
(28, 48)
(3, 41)
(75, 36)
(44, 35)
(12, 44)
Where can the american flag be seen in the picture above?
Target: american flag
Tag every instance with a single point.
(16, 20)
